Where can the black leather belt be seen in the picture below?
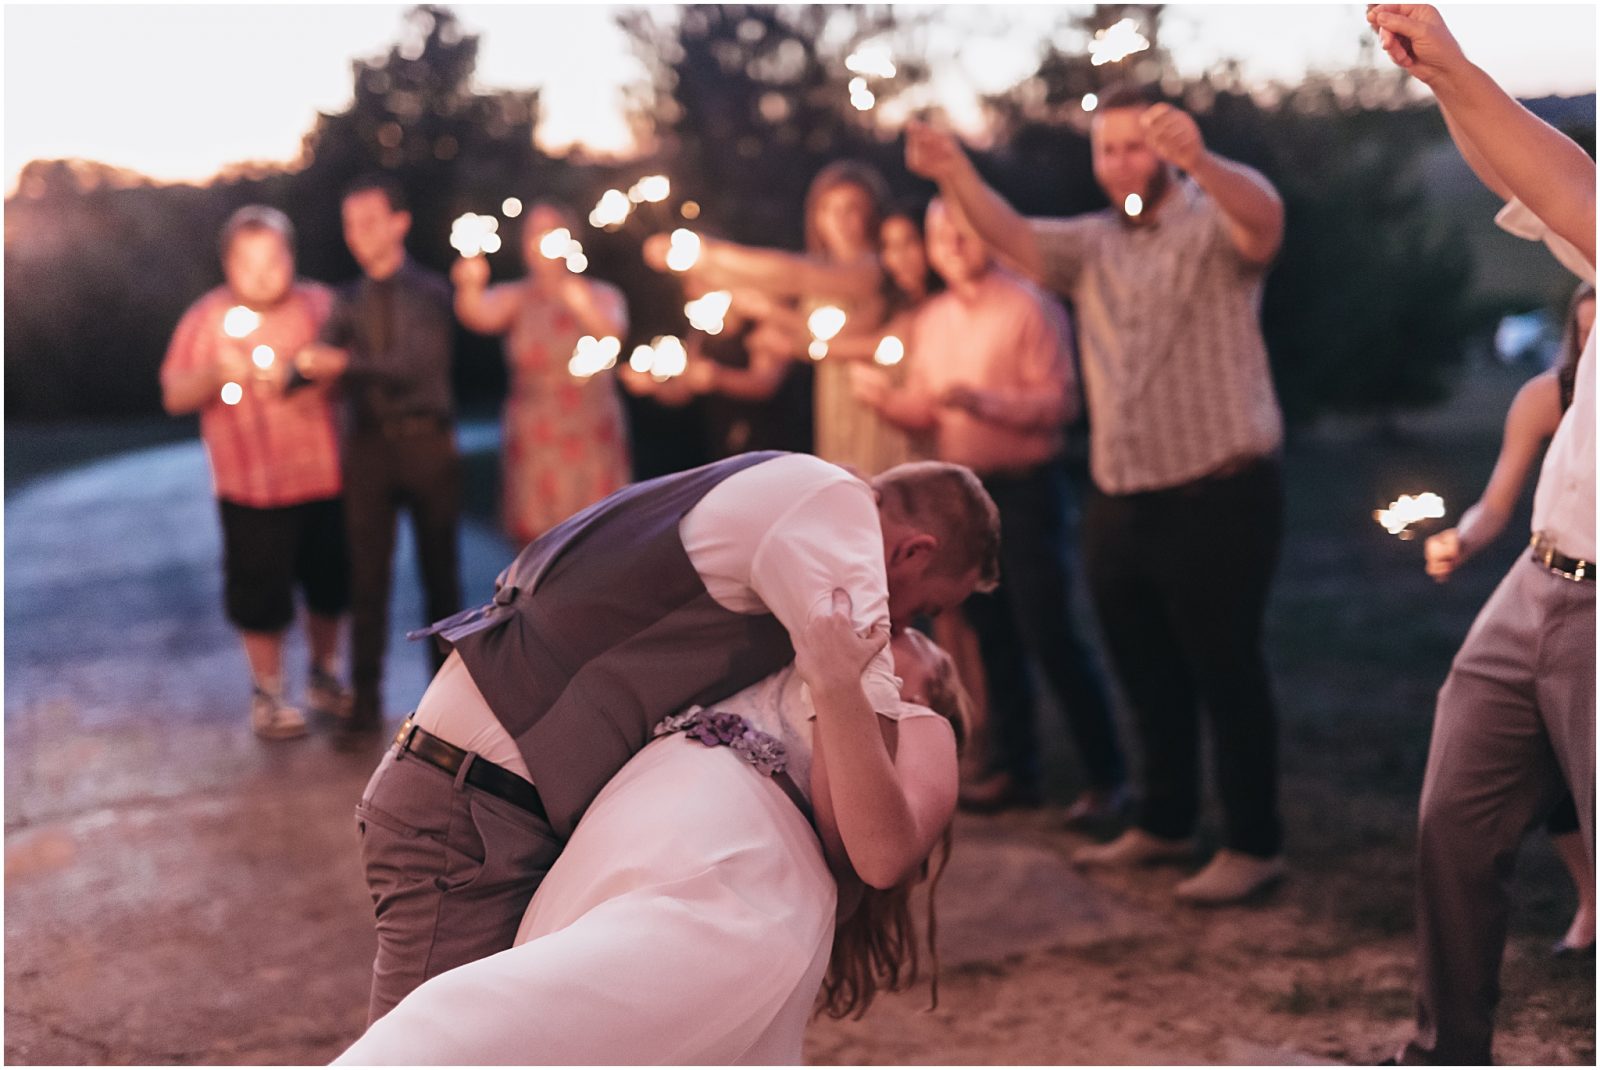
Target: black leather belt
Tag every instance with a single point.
(1572, 568)
(483, 775)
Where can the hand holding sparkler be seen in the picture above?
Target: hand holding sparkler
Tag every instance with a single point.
(1417, 40)
(1173, 135)
(470, 273)
(932, 153)
(321, 361)
(1443, 554)
(870, 385)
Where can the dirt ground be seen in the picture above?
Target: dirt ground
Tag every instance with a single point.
(176, 892)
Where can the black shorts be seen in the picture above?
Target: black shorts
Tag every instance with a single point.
(267, 552)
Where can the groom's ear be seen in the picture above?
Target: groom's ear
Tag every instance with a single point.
(916, 548)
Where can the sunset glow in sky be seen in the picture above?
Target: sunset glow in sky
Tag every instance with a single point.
(179, 92)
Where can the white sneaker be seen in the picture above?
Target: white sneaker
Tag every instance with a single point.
(1135, 847)
(1231, 876)
(271, 719)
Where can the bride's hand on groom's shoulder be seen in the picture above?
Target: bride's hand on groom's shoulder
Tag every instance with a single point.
(830, 652)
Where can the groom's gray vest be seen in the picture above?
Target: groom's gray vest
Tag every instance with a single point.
(600, 628)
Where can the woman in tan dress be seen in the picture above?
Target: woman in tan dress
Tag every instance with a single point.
(565, 436)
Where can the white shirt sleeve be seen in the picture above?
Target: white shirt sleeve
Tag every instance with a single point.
(779, 536)
(830, 538)
(1517, 218)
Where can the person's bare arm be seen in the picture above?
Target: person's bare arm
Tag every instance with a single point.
(480, 307)
(889, 808)
(724, 265)
(1252, 208)
(600, 311)
(191, 391)
(935, 154)
(1538, 165)
(1469, 152)
(1534, 416)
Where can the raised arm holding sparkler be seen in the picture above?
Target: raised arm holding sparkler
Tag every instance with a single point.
(1133, 148)
(1536, 163)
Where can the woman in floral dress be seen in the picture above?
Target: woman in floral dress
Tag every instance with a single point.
(565, 436)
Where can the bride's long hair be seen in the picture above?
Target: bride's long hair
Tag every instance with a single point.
(877, 947)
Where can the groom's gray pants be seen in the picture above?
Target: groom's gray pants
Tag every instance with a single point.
(451, 869)
(1515, 722)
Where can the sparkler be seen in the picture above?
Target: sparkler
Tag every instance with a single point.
(240, 321)
(869, 61)
(262, 357)
(232, 393)
(612, 210)
(684, 250)
(1133, 205)
(1117, 42)
(890, 351)
(651, 189)
(1408, 510)
(474, 235)
(594, 355)
(664, 358)
(1091, 101)
(707, 312)
(824, 323)
(511, 207)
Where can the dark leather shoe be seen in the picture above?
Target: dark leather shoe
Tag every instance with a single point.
(997, 792)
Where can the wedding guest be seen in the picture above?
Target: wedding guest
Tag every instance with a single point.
(565, 440)
(274, 461)
(1515, 717)
(1184, 517)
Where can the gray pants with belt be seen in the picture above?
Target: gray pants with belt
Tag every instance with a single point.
(1515, 723)
(451, 869)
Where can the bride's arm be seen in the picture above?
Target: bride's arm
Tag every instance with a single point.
(889, 809)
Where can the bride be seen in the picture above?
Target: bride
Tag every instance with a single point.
(691, 916)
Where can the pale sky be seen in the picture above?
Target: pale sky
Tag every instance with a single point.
(177, 92)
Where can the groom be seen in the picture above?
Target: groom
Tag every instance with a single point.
(672, 592)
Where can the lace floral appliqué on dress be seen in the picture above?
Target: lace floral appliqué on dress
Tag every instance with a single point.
(718, 729)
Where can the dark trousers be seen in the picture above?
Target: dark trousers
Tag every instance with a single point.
(1030, 613)
(416, 469)
(1179, 579)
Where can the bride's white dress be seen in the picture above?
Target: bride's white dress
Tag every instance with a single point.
(688, 920)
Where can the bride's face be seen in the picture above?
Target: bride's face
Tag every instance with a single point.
(916, 662)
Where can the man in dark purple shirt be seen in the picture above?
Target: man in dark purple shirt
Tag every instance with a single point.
(390, 336)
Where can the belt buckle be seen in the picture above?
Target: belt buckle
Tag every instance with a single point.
(408, 731)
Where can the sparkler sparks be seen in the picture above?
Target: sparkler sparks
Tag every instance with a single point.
(594, 355)
(890, 351)
(1133, 205)
(684, 250)
(474, 235)
(1408, 510)
(824, 323)
(1091, 101)
(872, 60)
(511, 207)
(707, 312)
(263, 357)
(232, 393)
(664, 358)
(555, 244)
(651, 189)
(1117, 42)
(612, 209)
(239, 321)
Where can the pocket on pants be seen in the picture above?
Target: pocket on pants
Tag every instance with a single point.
(507, 848)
